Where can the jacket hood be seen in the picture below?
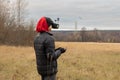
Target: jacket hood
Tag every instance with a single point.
(42, 25)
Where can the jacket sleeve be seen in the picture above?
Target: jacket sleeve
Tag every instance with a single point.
(50, 49)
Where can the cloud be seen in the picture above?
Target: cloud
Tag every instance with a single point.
(94, 13)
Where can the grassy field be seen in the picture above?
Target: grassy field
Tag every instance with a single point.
(82, 61)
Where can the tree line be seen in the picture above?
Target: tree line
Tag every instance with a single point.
(84, 35)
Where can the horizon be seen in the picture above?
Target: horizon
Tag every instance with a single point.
(86, 30)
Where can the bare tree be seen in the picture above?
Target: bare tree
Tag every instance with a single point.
(83, 34)
(4, 15)
(97, 35)
(20, 10)
(21, 6)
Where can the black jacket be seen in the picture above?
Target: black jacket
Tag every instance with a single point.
(46, 55)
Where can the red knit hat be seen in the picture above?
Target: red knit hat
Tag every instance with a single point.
(42, 25)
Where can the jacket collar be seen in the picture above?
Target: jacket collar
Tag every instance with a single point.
(47, 33)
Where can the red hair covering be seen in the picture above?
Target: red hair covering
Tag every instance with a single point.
(42, 25)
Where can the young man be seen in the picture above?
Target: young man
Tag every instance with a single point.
(44, 46)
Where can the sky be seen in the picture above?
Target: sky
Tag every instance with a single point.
(100, 14)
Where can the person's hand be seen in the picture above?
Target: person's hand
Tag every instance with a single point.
(62, 50)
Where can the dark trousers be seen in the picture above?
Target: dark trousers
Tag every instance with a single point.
(51, 77)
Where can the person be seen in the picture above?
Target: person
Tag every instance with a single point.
(44, 46)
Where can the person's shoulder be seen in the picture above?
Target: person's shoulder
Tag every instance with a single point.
(49, 37)
(48, 33)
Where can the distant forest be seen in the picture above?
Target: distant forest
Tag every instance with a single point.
(112, 36)
(23, 37)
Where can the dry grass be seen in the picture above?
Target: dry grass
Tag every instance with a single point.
(82, 61)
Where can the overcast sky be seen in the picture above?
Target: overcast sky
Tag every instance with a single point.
(100, 14)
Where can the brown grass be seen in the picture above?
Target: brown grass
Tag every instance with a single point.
(82, 61)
